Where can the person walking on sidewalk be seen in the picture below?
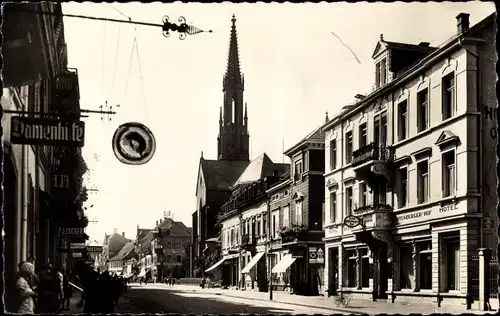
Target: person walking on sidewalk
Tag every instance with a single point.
(48, 291)
(68, 291)
(24, 290)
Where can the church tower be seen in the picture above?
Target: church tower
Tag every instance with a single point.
(233, 139)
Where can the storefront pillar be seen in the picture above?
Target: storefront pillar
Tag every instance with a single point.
(342, 272)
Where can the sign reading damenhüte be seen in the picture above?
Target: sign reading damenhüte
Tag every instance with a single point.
(34, 131)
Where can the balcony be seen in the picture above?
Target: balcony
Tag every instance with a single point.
(373, 163)
(376, 222)
(293, 234)
(248, 242)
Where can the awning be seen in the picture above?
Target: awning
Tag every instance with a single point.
(215, 265)
(118, 273)
(142, 273)
(252, 262)
(284, 263)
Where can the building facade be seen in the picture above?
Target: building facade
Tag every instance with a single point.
(400, 221)
(216, 177)
(35, 60)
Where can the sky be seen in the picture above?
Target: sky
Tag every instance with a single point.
(295, 70)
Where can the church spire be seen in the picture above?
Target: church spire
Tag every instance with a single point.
(233, 77)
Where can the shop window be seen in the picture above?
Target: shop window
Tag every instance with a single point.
(365, 268)
(406, 274)
(452, 257)
(425, 265)
(351, 268)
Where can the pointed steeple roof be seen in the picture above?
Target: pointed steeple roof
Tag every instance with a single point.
(233, 71)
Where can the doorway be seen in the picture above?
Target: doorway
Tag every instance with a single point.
(333, 264)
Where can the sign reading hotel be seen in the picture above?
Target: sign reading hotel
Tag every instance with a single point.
(426, 215)
(34, 131)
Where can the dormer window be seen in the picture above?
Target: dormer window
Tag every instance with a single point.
(381, 73)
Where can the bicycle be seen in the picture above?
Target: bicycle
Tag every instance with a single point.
(344, 299)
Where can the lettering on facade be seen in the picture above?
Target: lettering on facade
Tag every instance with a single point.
(414, 215)
(490, 114)
(448, 208)
(61, 181)
(31, 131)
(67, 231)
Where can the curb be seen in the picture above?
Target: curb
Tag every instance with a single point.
(302, 305)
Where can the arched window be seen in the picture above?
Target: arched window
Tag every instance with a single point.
(233, 112)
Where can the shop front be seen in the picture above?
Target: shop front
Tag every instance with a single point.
(254, 272)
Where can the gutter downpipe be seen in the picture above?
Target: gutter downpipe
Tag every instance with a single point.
(480, 139)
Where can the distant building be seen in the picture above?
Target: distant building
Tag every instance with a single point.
(118, 263)
(216, 177)
(112, 245)
(164, 250)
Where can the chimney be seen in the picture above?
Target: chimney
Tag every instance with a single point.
(462, 22)
(115, 230)
(156, 223)
(123, 234)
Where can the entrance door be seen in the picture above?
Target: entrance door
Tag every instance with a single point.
(333, 268)
(384, 272)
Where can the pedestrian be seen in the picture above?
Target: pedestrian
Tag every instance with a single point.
(68, 291)
(90, 297)
(24, 290)
(106, 294)
(48, 291)
(59, 287)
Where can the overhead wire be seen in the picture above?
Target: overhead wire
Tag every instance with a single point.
(116, 61)
(103, 56)
(141, 78)
(130, 62)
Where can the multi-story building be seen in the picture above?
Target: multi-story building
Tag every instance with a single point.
(112, 245)
(401, 222)
(216, 177)
(245, 226)
(35, 56)
(117, 264)
(164, 251)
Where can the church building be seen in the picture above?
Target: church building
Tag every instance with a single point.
(217, 176)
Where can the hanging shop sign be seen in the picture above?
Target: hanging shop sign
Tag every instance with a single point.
(94, 248)
(77, 254)
(133, 144)
(71, 232)
(352, 221)
(77, 245)
(35, 131)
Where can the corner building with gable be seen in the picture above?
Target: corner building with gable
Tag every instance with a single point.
(411, 168)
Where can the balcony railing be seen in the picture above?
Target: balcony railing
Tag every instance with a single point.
(373, 207)
(374, 216)
(371, 152)
(294, 233)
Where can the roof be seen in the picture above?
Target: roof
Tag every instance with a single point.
(116, 243)
(317, 135)
(141, 233)
(422, 47)
(258, 168)
(94, 243)
(221, 174)
(125, 253)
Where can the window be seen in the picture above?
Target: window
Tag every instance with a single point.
(362, 136)
(274, 227)
(333, 154)
(448, 95)
(377, 75)
(406, 273)
(383, 72)
(452, 247)
(286, 216)
(233, 112)
(423, 110)
(348, 200)
(179, 259)
(298, 170)
(231, 242)
(351, 268)
(365, 268)
(403, 187)
(333, 207)
(425, 265)
(258, 226)
(403, 120)
(363, 198)
(423, 181)
(264, 223)
(348, 148)
(169, 258)
(449, 173)
(383, 130)
(298, 212)
(380, 193)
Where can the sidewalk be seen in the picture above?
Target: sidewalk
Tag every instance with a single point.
(355, 306)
